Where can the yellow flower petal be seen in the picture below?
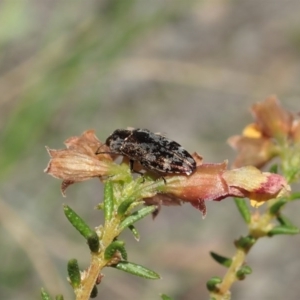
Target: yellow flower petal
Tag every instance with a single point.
(255, 203)
(252, 131)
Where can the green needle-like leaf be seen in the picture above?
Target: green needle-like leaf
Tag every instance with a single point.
(77, 222)
(45, 295)
(274, 209)
(93, 242)
(73, 272)
(243, 271)
(243, 209)
(113, 247)
(274, 169)
(294, 196)
(212, 283)
(136, 216)
(108, 200)
(59, 297)
(224, 261)
(137, 270)
(123, 253)
(285, 221)
(134, 232)
(245, 242)
(123, 207)
(281, 229)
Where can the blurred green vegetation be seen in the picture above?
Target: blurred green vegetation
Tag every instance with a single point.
(74, 51)
(55, 58)
(185, 68)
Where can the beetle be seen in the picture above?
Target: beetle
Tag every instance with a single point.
(153, 151)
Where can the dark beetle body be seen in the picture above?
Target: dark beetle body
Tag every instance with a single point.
(152, 151)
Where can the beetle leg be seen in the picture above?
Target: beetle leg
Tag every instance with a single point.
(131, 162)
(131, 165)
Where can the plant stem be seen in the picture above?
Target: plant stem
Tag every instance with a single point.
(258, 227)
(85, 288)
(110, 232)
(230, 276)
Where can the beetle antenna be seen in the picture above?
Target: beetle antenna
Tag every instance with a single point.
(102, 152)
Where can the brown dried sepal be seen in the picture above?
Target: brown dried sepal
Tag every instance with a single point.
(261, 141)
(79, 161)
(272, 119)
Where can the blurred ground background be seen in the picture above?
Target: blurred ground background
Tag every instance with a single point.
(189, 69)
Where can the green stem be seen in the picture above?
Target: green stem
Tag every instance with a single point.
(258, 227)
(98, 262)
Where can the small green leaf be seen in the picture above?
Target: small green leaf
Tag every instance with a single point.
(224, 261)
(74, 273)
(294, 196)
(93, 242)
(165, 297)
(292, 173)
(100, 206)
(243, 209)
(137, 215)
(133, 205)
(274, 169)
(134, 232)
(94, 292)
(59, 297)
(137, 270)
(243, 271)
(281, 229)
(285, 221)
(212, 283)
(274, 209)
(245, 242)
(77, 222)
(108, 200)
(123, 253)
(113, 247)
(123, 207)
(45, 295)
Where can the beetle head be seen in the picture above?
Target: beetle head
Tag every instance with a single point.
(116, 139)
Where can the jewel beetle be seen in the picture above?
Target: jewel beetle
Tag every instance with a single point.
(153, 151)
